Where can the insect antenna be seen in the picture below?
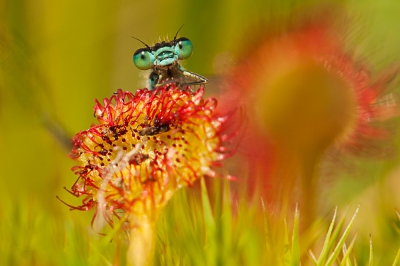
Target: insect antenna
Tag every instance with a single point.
(178, 32)
(141, 42)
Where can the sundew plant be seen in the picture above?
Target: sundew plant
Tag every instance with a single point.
(269, 138)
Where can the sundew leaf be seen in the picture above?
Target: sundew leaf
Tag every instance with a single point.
(342, 240)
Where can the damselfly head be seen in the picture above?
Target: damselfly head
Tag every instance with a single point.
(145, 58)
(163, 58)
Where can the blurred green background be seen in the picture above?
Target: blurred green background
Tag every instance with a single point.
(58, 56)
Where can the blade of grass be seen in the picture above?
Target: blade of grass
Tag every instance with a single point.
(348, 262)
(165, 254)
(225, 225)
(100, 255)
(396, 228)
(396, 259)
(325, 251)
(267, 229)
(344, 250)
(371, 253)
(271, 245)
(337, 231)
(207, 210)
(346, 253)
(295, 239)
(287, 258)
(338, 247)
(355, 261)
(312, 256)
(211, 245)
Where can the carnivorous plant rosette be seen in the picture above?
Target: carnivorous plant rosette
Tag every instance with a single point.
(144, 147)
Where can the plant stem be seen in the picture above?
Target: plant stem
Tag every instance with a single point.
(142, 241)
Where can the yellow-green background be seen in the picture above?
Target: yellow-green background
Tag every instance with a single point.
(58, 56)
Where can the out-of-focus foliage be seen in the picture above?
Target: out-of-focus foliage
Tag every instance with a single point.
(57, 56)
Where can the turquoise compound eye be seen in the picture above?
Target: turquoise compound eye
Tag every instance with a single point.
(143, 59)
(183, 48)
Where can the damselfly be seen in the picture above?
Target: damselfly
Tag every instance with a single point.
(163, 59)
